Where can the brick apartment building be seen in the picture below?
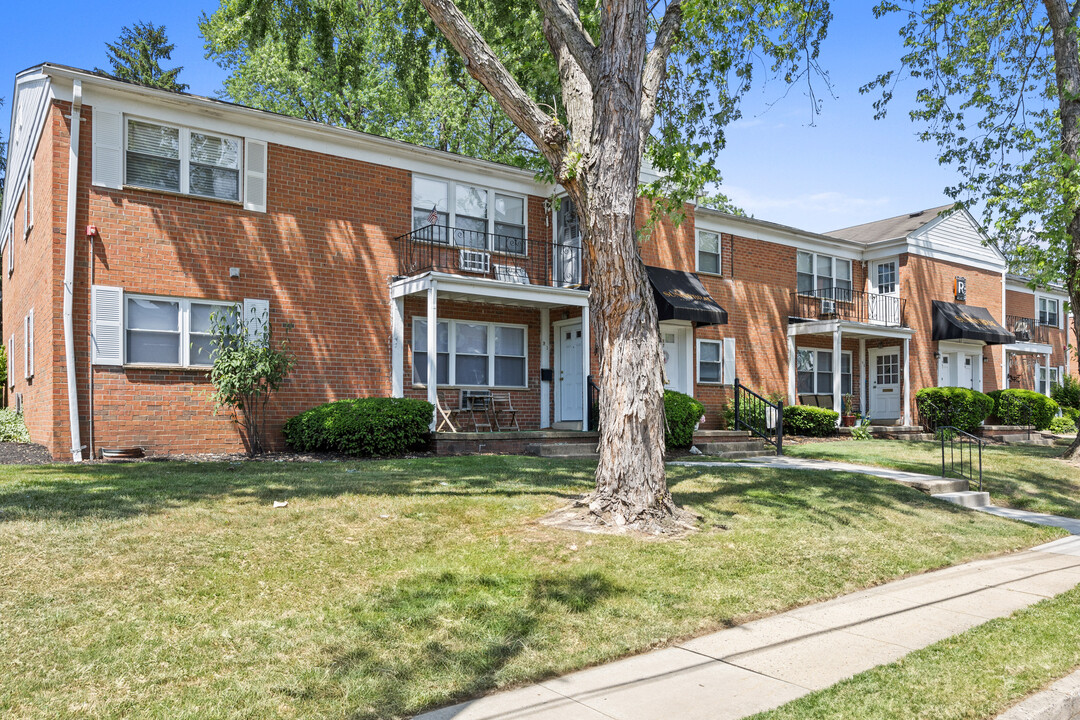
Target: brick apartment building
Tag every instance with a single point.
(132, 214)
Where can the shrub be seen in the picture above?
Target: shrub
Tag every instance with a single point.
(755, 412)
(681, 414)
(1063, 425)
(1067, 394)
(962, 408)
(12, 427)
(809, 420)
(862, 430)
(364, 426)
(1073, 414)
(1018, 407)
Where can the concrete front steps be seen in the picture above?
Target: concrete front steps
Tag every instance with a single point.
(1014, 435)
(730, 444)
(565, 450)
(911, 433)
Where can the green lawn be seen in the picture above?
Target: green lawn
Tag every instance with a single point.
(1019, 476)
(384, 588)
(975, 675)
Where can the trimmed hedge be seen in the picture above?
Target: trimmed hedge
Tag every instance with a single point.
(810, 420)
(1009, 407)
(959, 407)
(1063, 425)
(681, 413)
(364, 426)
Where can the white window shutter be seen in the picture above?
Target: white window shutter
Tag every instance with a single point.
(729, 361)
(31, 342)
(107, 325)
(28, 206)
(256, 316)
(26, 347)
(11, 361)
(11, 249)
(255, 175)
(107, 165)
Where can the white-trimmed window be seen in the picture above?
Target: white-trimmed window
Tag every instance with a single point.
(815, 368)
(1050, 311)
(1044, 375)
(716, 361)
(170, 331)
(28, 206)
(28, 345)
(477, 217)
(818, 275)
(708, 252)
(472, 354)
(178, 159)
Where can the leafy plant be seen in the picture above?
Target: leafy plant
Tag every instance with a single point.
(809, 420)
(3, 347)
(249, 366)
(1021, 407)
(361, 426)
(959, 407)
(13, 427)
(862, 430)
(681, 415)
(849, 404)
(1063, 425)
(1067, 393)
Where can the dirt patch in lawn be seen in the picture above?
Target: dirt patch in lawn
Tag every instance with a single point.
(12, 453)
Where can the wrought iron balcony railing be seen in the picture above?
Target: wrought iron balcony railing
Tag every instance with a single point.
(1026, 330)
(840, 303)
(504, 258)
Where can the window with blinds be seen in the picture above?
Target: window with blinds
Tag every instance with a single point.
(162, 157)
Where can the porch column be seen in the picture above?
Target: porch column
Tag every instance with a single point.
(545, 363)
(397, 347)
(837, 401)
(907, 381)
(432, 350)
(1047, 371)
(862, 376)
(792, 373)
(586, 361)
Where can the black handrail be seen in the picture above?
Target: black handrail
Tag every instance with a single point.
(759, 416)
(957, 438)
(593, 413)
(1026, 329)
(846, 304)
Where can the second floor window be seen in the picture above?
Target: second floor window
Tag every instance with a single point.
(823, 276)
(468, 216)
(162, 157)
(1048, 312)
(708, 252)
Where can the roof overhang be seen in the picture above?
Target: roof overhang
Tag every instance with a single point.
(484, 290)
(848, 329)
(968, 322)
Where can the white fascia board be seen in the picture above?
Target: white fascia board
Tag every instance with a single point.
(17, 167)
(1027, 348)
(851, 329)
(713, 221)
(920, 244)
(924, 248)
(1016, 284)
(212, 115)
(481, 288)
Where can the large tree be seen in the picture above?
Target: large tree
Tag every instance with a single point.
(999, 93)
(595, 87)
(137, 54)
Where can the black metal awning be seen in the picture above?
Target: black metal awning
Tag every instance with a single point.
(965, 322)
(681, 296)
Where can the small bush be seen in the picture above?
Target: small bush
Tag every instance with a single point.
(1018, 407)
(1073, 414)
(681, 413)
(809, 420)
(364, 426)
(959, 407)
(862, 430)
(1063, 425)
(1067, 394)
(12, 427)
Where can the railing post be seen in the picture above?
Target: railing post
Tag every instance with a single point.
(736, 388)
(779, 428)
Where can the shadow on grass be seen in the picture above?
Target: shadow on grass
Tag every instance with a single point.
(118, 491)
(434, 639)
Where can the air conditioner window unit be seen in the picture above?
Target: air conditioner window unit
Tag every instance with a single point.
(828, 306)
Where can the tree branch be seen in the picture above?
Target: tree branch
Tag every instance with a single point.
(656, 66)
(485, 67)
(564, 19)
(577, 89)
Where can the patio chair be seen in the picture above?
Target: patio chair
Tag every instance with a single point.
(501, 404)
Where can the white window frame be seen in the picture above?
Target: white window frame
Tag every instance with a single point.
(719, 252)
(185, 158)
(451, 209)
(184, 323)
(451, 336)
(814, 271)
(28, 206)
(28, 345)
(1039, 300)
(720, 354)
(837, 368)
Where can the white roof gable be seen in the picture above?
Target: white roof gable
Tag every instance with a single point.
(29, 105)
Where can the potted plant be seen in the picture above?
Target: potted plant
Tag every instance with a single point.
(847, 418)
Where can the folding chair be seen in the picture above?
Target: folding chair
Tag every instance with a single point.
(501, 403)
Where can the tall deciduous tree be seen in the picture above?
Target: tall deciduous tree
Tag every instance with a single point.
(999, 93)
(595, 86)
(137, 54)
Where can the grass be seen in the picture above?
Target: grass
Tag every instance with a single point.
(1018, 476)
(977, 674)
(384, 588)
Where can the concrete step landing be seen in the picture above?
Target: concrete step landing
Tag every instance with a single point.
(965, 498)
(565, 450)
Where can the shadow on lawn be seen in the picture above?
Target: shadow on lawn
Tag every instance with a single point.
(120, 491)
(434, 639)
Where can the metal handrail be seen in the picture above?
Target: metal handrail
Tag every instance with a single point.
(848, 304)
(1027, 329)
(752, 413)
(957, 437)
(593, 412)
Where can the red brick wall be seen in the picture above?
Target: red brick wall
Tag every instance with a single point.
(1023, 304)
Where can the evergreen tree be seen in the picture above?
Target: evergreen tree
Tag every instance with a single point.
(137, 54)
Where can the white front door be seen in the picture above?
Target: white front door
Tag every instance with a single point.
(968, 371)
(674, 342)
(569, 384)
(884, 298)
(885, 394)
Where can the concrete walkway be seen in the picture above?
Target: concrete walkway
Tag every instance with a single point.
(769, 662)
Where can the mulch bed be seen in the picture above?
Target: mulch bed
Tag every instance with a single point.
(12, 453)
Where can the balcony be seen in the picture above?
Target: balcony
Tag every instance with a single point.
(1027, 330)
(845, 304)
(503, 258)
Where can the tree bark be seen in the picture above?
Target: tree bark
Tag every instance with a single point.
(1067, 72)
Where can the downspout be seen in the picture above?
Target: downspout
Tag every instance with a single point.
(69, 271)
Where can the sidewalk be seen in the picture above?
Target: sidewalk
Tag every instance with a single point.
(769, 662)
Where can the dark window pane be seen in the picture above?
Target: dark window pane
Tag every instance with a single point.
(510, 371)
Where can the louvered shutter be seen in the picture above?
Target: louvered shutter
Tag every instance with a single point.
(107, 165)
(11, 249)
(30, 342)
(11, 361)
(256, 317)
(28, 207)
(26, 347)
(107, 325)
(729, 361)
(255, 175)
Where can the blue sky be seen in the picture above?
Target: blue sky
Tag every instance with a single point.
(841, 169)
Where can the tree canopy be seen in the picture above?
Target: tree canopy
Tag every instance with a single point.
(137, 54)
